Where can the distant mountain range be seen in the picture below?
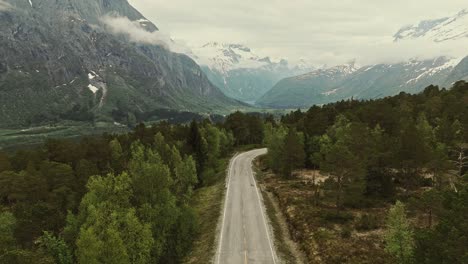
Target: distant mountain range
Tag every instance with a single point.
(374, 81)
(62, 60)
(242, 74)
(368, 82)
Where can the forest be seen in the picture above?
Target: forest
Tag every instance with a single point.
(109, 199)
(409, 151)
(126, 198)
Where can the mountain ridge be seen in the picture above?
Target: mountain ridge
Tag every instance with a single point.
(367, 82)
(241, 73)
(61, 62)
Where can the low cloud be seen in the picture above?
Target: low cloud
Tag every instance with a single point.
(4, 6)
(136, 32)
(320, 31)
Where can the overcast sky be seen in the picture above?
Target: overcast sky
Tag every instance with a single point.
(322, 31)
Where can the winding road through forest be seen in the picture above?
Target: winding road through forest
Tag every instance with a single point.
(245, 236)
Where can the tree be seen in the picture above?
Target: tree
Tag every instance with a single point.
(344, 156)
(152, 184)
(430, 203)
(274, 138)
(116, 155)
(199, 147)
(56, 247)
(7, 229)
(185, 179)
(446, 242)
(110, 231)
(399, 235)
(293, 155)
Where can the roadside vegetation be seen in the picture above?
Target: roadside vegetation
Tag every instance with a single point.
(152, 195)
(380, 181)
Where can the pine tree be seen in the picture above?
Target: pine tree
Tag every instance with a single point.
(293, 155)
(399, 235)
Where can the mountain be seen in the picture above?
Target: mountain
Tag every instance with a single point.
(368, 82)
(437, 30)
(92, 60)
(240, 73)
(307, 89)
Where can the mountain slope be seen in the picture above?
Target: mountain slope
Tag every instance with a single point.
(239, 72)
(307, 89)
(437, 30)
(61, 61)
(369, 82)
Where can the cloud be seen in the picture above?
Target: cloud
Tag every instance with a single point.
(4, 6)
(323, 31)
(138, 34)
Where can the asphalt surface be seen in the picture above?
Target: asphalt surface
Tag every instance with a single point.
(244, 236)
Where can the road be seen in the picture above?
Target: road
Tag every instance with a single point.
(244, 236)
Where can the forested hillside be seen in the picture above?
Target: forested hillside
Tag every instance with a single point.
(342, 166)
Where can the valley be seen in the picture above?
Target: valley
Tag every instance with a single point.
(269, 132)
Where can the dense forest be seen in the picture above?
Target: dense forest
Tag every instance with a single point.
(110, 199)
(408, 149)
(127, 198)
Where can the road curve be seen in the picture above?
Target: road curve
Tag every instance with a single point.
(244, 237)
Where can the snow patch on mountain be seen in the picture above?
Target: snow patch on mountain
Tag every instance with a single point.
(437, 30)
(227, 57)
(93, 88)
(332, 73)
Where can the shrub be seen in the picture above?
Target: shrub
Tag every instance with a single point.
(346, 232)
(367, 222)
(338, 218)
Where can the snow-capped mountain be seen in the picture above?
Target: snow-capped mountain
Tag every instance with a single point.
(437, 30)
(241, 73)
(306, 89)
(368, 82)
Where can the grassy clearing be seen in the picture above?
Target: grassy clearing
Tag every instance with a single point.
(11, 139)
(208, 202)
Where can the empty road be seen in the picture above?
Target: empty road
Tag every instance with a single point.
(244, 236)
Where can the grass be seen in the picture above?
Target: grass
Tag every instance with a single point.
(274, 214)
(323, 235)
(12, 139)
(208, 202)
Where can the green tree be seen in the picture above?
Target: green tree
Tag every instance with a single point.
(56, 247)
(7, 229)
(274, 138)
(344, 156)
(116, 155)
(293, 155)
(110, 231)
(399, 241)
(152, 183)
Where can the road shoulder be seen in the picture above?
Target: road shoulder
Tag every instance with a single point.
(287, 250)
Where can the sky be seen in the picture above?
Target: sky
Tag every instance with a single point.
(323, 32)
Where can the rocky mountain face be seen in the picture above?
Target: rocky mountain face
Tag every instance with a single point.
(240, 73)
(437, 30)
(59, 60)
(368, 82)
